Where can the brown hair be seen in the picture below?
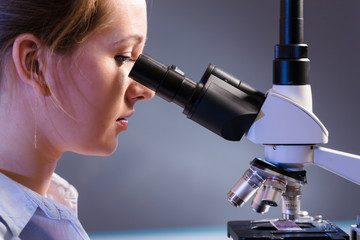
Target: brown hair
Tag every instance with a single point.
(59, 24)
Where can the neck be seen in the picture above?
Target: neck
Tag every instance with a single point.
(26, 159)
(37, 182)
(28, 168)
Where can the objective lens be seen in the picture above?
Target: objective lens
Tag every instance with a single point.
(245, 188)
(258, 205)
(273, 190)
(268, 195)
(291, 203)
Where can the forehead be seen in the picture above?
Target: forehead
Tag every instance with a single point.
(127, 18)
(125, 28)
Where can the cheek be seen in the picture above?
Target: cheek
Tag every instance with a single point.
(101, 83)
(94, 88)
(91, 84)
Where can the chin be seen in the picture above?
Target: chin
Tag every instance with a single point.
(100, 149)
(107, 151)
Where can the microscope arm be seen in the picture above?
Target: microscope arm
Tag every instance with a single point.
(343, 164)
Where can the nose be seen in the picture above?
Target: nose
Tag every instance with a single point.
(137, 92)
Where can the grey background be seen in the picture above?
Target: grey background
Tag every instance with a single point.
(168, 172)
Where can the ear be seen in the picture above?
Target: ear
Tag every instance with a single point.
(27, 60)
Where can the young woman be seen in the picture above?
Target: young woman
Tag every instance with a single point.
(64, 86)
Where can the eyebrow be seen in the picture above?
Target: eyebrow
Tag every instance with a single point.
(136, 37)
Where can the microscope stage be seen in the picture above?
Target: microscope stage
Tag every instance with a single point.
(262, 230)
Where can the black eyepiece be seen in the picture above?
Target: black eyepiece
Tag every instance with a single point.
(219, 102)
(167, 81)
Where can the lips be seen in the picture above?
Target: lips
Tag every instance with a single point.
(126, 117)
(122, 119)
(122, 122)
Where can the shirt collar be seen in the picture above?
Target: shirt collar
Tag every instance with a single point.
(18, 205)
(15, 207)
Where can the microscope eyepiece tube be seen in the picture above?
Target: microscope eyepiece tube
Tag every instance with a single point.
(218, 102)
(167, 81)
(245, 188)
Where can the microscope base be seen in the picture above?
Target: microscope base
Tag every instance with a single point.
(262, 230)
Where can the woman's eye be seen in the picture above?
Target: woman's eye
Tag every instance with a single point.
(120, 59)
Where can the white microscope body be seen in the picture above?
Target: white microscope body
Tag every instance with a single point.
(290, 132)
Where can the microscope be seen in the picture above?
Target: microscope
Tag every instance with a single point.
(280, 119)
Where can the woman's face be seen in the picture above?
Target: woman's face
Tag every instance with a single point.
(93, 86)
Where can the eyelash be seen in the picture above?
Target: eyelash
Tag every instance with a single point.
(121, 59)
